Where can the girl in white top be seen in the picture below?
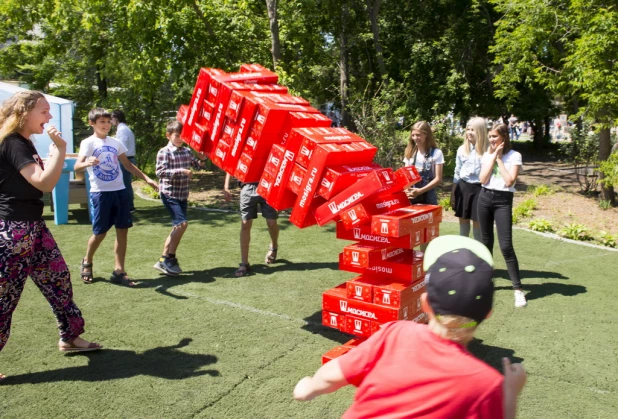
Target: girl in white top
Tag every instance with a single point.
(500, 167)
(423, 153)
(466, 182)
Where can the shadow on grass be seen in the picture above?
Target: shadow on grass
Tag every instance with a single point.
(492, 355)
(164, 283)
(536, 291)
(111, 364)
(503, 273)
(315, 326)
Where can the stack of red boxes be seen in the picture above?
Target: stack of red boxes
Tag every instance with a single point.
(252, 129)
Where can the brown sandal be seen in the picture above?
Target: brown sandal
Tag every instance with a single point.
(271, 255)
(122, 279)
(86, 272)
(243, 270)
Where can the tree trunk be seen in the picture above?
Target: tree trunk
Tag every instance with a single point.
(538, 132)
(101, 84)
(344, 70)
(373, 9)
(271, 5)
(605, 147)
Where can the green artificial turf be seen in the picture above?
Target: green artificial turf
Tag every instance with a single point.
(209, 345)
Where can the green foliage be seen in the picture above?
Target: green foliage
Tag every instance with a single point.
(576, 231)
(582, 152)
(445, 203)
(448, 143)
(150, 192)
(609, 169)
(524, 210)
(607, 239)
(541, 190)
(541, 225)
(605, 204)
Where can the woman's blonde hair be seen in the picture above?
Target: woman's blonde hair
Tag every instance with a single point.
(425, 128)
(479, 126)
(455, 328)
(15, 109)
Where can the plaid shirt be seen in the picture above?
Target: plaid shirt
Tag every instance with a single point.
(171, 161)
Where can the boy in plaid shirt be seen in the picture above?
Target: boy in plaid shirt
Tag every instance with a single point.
(173, 170)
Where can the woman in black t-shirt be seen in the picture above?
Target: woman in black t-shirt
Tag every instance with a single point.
(26, 245)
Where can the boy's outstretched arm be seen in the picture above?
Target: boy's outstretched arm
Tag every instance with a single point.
(327, 379)
(136, 172)
(514, 381)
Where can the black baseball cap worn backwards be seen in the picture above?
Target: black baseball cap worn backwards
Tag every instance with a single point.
(460, 279)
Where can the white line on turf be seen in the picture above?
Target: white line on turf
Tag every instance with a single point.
(242, 307)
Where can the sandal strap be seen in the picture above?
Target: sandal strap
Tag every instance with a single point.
(246, 265)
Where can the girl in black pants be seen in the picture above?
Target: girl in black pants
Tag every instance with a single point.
(500, 167)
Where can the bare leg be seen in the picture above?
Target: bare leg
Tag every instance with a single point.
(464, 227)
(120, 249)
(245, 240)
(273, 230)
(93, 244)
(173, 240)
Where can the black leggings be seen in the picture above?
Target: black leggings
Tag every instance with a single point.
(498, 206)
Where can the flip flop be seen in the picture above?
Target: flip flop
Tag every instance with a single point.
(92, 346)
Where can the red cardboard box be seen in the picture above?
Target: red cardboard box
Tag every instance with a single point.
(271, 116)
(197, 139)
(432, 232)
(397, 223)
(357, 326)
(363, 234)
(407, 269)
(249, 170)
(407, 176)
(335, 300)
(353, 343)
(183, 110)
(307, 202)
(337, 179)
(360, 288)
(251, 68)
(274, 160)
(365, 256)
(315, 136)
(265, 185)
(361, 213)
(298, 174)
(335, 353)
(302, 120)
(219, 153)
(397, 294)
(335, 320)
(195, 105)
(357, 192)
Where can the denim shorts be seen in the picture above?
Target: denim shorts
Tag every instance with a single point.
(109, 209)
(177, 209)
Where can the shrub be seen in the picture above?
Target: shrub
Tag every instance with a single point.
(542, 225)
(609, 169)
(150, 192)
(604, 204)
(608, 240)
(524, 210)
(541, 190)
(582, 152)
(576, 231)
(445, 203)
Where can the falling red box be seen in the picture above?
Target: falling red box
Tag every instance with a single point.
(221, 90)
(183, 110)
(219, 153)
(271, 116)
(195, 105)
(197, 138)
(335, 353)
(335, 300)
(407, 176)
(298, 174)
(396, 294)
(249, 170)
(403, 221)
(361, 190)
(303, 120)
(337, 179)
(306, 202)
(358, 326)
(265, 184)
(274, 160)
(239, 96)
(406, 269)
(364, 255)
(315, 136)
(251, 68)
(334, 320)
(364, 235)
(361, 213)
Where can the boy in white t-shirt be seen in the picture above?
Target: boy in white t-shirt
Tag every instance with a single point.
(109, 203)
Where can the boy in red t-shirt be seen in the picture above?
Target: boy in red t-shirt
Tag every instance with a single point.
(409, 370)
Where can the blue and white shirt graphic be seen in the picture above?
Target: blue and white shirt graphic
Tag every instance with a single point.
(105, 176)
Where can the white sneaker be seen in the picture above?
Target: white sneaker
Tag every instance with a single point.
(520, 299)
